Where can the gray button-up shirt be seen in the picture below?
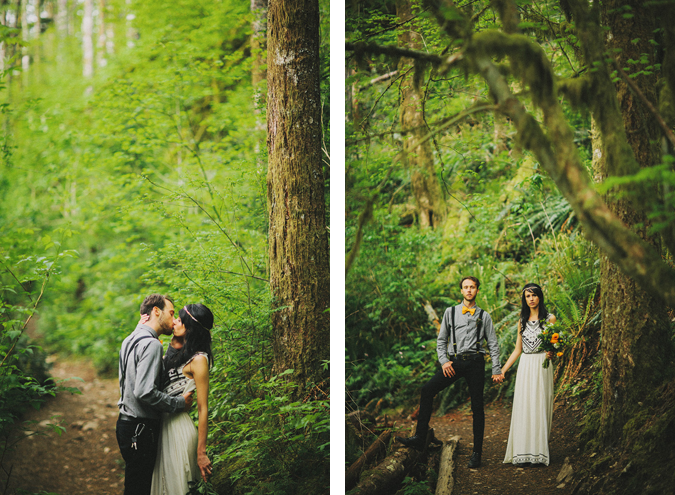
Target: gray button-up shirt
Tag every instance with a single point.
(465, 332)
(141, 397)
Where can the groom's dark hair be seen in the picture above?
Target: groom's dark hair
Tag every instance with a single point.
(473, 279)
(153, 300)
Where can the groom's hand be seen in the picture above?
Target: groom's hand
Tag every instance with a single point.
(188, 400)
(448, 370)
(498, 378)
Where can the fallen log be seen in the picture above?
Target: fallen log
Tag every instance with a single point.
(387, 477)
(432, 315)
(354, 471)
(446, 479)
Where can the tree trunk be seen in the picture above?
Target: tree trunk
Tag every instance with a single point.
(259, 75)
(258, 46)
(298, 240)
(635, 327)
(3, 45)
(25, 35)
(419, 158)
(101, 61)
(87, 41)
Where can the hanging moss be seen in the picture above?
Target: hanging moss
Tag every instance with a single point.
(577, 91)
(527, 60)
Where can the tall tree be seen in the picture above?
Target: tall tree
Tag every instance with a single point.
(418, 152)
(101, 61)
(25, 36)
(635, 323)
(258, 70)
(298, 240)
(87, 39)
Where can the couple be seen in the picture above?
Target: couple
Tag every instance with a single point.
(161, 447)
(461, 356)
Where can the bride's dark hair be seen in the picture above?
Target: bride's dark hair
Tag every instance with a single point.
(198, 321)
(525, 309)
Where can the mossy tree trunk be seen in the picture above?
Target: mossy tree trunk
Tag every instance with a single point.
(419, 157)
(635, 327)
(298, 240)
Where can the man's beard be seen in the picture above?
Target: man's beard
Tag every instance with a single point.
(166, 325)
(470, 300)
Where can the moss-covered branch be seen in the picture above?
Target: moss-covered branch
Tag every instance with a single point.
(394, 52)
(625, 248)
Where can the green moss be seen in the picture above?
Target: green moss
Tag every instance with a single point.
(577, 91)
(527, 59)
(667, 105)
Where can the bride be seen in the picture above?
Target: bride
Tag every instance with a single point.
(533, 397)
(181, 454)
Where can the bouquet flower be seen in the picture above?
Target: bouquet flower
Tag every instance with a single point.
(552, 340)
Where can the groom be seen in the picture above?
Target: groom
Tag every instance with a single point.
(461, 356)
(140, 404)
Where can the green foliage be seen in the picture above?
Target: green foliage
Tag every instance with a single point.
(151, 177)
(412, 487)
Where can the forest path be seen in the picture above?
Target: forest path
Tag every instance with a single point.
(495, 477)
(85, 460)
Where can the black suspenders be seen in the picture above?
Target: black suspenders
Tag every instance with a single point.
(478, 328)
(123, 361)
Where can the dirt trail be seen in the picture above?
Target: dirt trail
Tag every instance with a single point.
(85, 459)
(494, 477)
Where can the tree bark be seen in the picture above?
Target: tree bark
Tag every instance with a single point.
(635, 327)
(419, 157)
(298, 240)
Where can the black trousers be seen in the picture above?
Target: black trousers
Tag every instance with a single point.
(140, 461)
(474, 373)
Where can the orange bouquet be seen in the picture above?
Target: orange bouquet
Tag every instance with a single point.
(552, 340)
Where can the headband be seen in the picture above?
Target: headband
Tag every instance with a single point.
(195, 319)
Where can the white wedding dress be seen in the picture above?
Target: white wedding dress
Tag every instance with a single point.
(176, 463)
(532, 404)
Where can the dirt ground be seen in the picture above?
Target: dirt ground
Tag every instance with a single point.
(495, 477)
(85, 460)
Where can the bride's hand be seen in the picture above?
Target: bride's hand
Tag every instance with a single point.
(204, 465)
(144, 319)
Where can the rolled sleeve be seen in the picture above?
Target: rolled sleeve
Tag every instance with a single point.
(492, 344)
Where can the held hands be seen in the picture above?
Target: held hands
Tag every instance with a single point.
(448, 370)
(204, 465)
(498, 378)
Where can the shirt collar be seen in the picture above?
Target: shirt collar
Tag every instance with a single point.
(147, 329)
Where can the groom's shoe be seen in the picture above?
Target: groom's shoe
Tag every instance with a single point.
(474, 462)
(416, 442)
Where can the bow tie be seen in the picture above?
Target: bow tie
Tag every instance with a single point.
(468, 310)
